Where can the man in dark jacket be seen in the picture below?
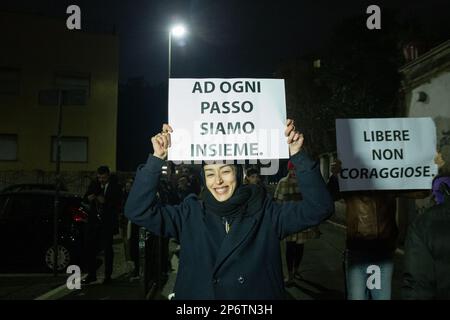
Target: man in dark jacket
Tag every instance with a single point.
(427, 250)
(229, 241)
(104, 196)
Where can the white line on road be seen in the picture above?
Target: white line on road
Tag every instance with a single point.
(26, 275)
(337, 224)
(58, 292)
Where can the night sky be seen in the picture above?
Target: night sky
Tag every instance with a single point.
(227, 38)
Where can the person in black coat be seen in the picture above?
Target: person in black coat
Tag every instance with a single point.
(230, 241)
(104, 196)
(427, 250)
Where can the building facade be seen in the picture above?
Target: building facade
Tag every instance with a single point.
(426, 88)
(425, 93)
(39, 55)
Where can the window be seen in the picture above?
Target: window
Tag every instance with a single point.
(9, 81)
(75, 81)
(75, 90)
(8, 147)
(73, 149)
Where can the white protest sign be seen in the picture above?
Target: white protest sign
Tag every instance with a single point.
(227, 119)
(383, 154)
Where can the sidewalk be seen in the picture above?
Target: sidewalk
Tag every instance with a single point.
(321, 269)
(121, 288)
(28, 286)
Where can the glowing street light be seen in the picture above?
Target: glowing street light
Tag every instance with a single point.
(178, 31)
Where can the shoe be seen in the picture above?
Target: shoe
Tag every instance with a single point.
(88, 280)
(135, 274)
(107, 280)
(131, 279)
(289, 283)
(298, 276)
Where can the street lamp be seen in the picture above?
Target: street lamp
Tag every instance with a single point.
(177, 31)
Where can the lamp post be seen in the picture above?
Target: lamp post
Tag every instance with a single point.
(59, 97)
(177, 31)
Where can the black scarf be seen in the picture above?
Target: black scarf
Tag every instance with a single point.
(246, 200)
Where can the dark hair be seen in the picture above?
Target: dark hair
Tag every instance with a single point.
(103, 170)
(252, 171)
(238, 169)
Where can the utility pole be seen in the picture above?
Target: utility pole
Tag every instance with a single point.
(58, 185)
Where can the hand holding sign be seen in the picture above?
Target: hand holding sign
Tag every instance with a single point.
(336, 167)
(161, 142)
(438, 160)
(295, 138)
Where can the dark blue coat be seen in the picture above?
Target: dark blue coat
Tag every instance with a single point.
(247, 263)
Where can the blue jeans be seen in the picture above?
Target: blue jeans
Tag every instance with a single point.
(357, 274)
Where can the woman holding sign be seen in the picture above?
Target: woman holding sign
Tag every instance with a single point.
(230, 240)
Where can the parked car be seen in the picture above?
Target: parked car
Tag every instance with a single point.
(32, 186)
(26, 230)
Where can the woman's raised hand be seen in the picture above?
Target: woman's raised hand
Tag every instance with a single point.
(161, 142)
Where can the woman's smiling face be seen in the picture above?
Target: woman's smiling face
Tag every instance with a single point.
(220, 180)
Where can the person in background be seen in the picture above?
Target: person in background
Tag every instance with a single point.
(187, 183)
(288, 190)
(427, 249)
(104, 196)
(132, 236)
(252, 177)
(371, 238)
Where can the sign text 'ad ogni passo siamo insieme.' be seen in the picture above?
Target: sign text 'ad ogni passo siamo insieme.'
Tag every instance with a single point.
(227, 119)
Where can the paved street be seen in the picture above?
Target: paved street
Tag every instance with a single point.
(121, 288)
(42, 286)
(321, 272)
(321, 268)
(28, 286)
